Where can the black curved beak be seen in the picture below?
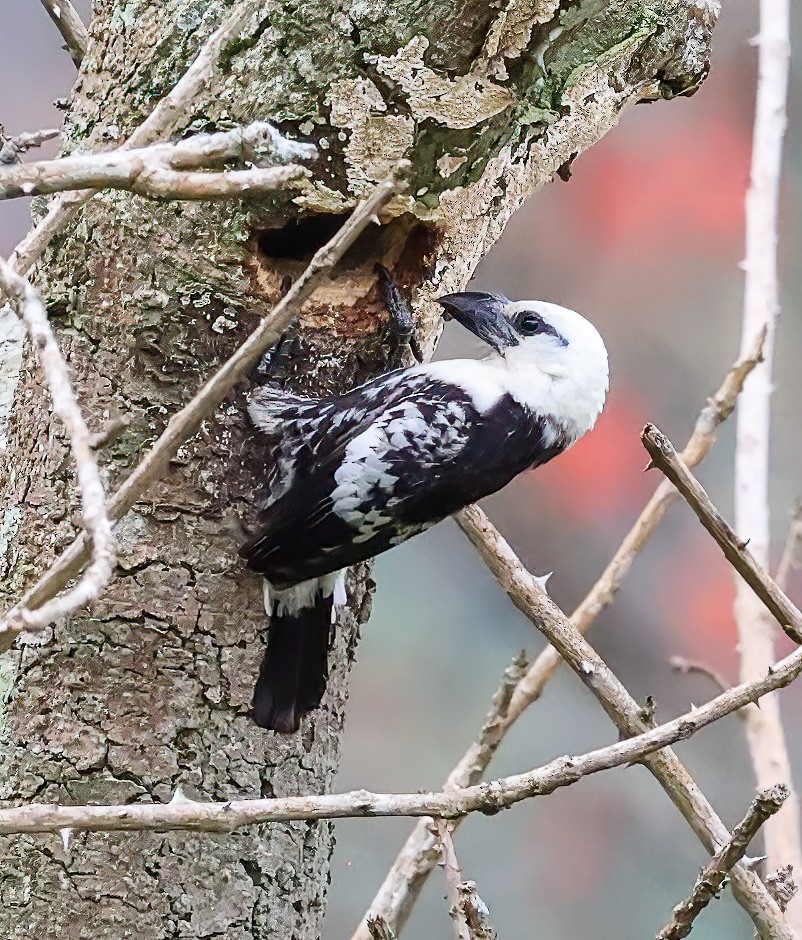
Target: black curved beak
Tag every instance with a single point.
(483, 315)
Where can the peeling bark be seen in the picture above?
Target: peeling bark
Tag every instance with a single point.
(149, 690)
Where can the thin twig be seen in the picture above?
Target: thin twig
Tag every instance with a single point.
(757, 633)
(453, 876)
(528, 595)
(524, 684)
(186, 422)
(665, 458)
(163, 170)
(28, 304)
(712, 876)
(469, 914)
(791, 559)
(162, 121)
(12, 147)
(488, 797)
(71, 27)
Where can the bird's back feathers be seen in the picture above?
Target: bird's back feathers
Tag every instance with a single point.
(358, 474)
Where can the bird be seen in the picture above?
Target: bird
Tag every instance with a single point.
(355, 474)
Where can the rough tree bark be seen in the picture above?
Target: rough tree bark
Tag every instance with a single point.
(148, 691)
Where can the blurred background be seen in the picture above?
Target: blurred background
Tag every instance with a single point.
(646, 240)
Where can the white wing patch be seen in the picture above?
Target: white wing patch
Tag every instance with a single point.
(364, 495)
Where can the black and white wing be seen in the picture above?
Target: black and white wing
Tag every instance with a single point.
(371, 468)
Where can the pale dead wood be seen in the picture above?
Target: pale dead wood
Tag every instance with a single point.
(29, 306)
(164, 170)
(12, 147)
(756, 631)
(71, 27)
(186, 422)
(523, 683)
(665, 458)
(488, 797)
(162, 121)
(528, 595)
(711, 878)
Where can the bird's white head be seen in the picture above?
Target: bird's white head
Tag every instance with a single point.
(555, 359)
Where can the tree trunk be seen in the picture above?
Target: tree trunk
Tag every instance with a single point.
(148, 691)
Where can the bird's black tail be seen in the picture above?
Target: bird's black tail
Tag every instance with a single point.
(295, 669)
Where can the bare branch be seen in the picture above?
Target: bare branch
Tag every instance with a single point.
(12, 147)
(712, 876)
(162, 170)
(71, 27)
(526, 592)
(792, 553)
(469, 913)
(486, 797)
(665, 458)
(186, 422)
(162, 121)
(28, 304)
(453, 875)
(524, 684)
(757, 633)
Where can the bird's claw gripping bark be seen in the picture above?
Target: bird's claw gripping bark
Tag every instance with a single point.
(400, 331)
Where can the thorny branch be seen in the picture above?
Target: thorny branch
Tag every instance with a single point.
(28, 305)
(71, 27)
(162, 121)
(665, 458)
(523, 683)
(186, 422)
(486, 797)
(165, 170)
(529, 596)
(711, 878)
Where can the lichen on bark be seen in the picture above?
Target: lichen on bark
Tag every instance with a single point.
(149, 689)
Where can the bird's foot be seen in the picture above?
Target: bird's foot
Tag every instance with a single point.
(400, 330)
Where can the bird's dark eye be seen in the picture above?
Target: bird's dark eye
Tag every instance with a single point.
(530, 323)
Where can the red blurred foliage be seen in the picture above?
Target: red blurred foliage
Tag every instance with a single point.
(641, 193)
(602, 476)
